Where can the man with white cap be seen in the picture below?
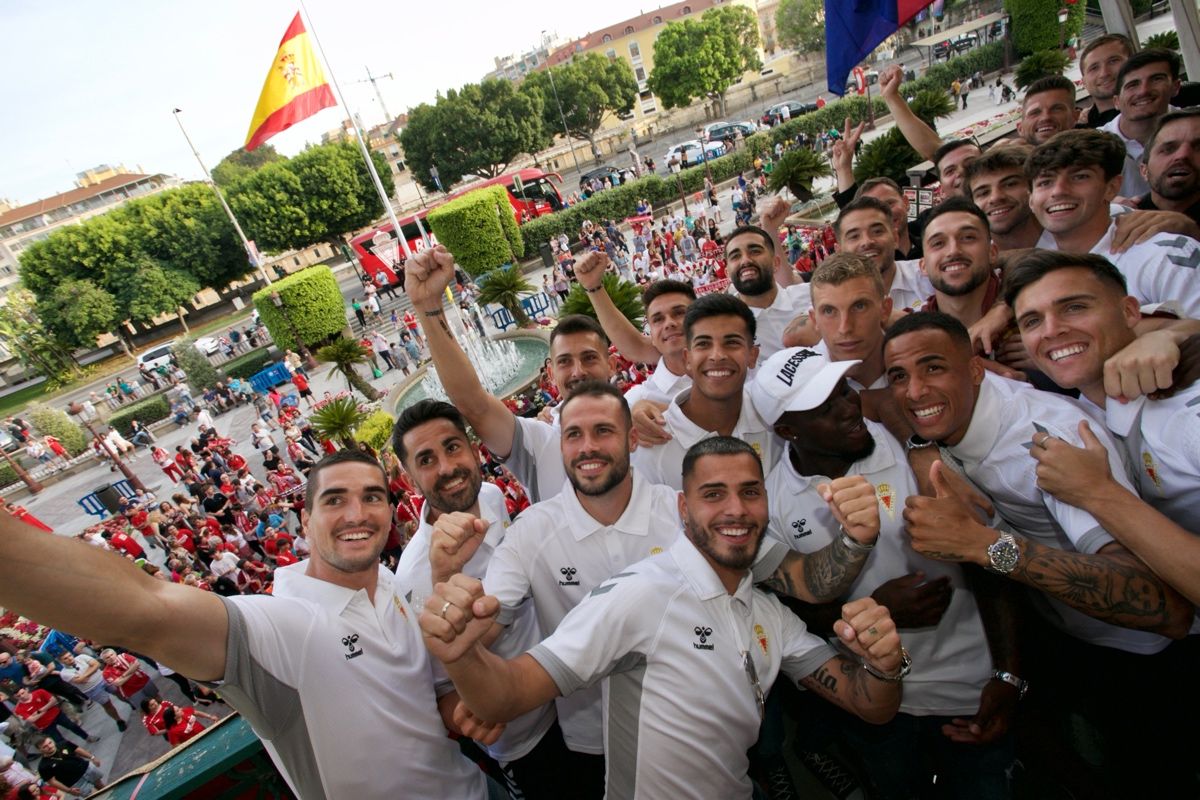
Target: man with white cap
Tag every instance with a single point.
(955, 711)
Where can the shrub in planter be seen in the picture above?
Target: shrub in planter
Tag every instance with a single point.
(147, 411)
(249, 364)
(479, 230)
(53, 422)
(313, 302)
(376, 430)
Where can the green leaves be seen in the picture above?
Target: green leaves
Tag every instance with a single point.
(338, 419)
(801, 25)
(505, 287)
(588, 88)
(200, 372)
(315, 309)
(479, 229)
(626, 296)
(697, 58)
(239, 164)
(797, 170)
(1040, 65)
(346, 355)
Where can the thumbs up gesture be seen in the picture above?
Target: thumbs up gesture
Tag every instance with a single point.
(1079, 476)
(945, 526)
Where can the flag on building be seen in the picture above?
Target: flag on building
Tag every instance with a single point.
(294, 90)
(853, 28)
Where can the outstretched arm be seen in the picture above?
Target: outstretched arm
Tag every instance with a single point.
(93, 594)
(923, 138)
(589, 271)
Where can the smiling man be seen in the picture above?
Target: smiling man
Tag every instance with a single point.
(865, 227)
(1099, 64)
(997, 183)
(1146, 83)
(752, 259)
(1048, 109)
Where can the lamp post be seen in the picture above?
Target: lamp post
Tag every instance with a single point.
(1062, 27)
(561, 115)
(704, 155)
(34, 486)
(309, 361)
(79, 410)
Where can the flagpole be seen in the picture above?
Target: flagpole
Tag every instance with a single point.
(362, 145)
(229, 211)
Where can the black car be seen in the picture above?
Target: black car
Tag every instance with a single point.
(615, 175)
(942, 49)
(965, 42)
(795, 108)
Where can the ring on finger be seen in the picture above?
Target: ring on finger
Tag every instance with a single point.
(873, 631)
(445, 608)
(1045, 438)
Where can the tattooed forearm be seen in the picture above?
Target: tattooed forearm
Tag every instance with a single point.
(829, 572)
(1111, 586)
(847, 685)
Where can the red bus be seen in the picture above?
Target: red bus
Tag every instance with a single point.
(538, 196)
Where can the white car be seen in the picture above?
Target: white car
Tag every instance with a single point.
(156, 357)
(690, 152)
(208, 345)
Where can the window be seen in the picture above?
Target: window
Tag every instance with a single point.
(611, 53)
(658, 20)
(606, 38)
(628, 29)
(639, 73)
(635, 52)
(687, 9)
(297, 260)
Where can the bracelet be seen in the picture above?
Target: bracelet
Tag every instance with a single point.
(915, 442)
(1021, 686)
(852, 544)
(595, 289)
(435, 313)
(895, 677)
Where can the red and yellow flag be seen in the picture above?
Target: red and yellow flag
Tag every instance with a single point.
(294, 90)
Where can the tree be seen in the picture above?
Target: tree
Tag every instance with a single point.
(1040, 65)
(199, 370)
(801, 25)
(239, 164)
(701, 58)
(79, 311)
(31, 342)
(588, 88)
(311, 308)
(338, 419)
(505, 287)
(479, 229)
(477, 130)
(1035, 24)
(797, 170)
(346, 355)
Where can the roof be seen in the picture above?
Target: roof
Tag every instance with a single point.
(671, 13)
(959, 30)
(70, 198)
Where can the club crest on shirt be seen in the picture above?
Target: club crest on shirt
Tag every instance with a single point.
(399, 606)
(761, 635)
(887, 499)
(1151, 469)
(757, 448)
(655, 550)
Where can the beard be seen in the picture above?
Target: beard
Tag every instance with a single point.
(462, 500)
(618, 472)
(706, 541)
(959, 290)
(756, 286)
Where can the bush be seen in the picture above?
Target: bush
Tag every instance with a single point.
(147, 411)
(1040, 65)
(314, 304)
(626, 296)
(479, 230)
(376, 430)
(200, 372)
(1035, 24)
(1167, 40)
(250, 364)
(53, 422)
(8, 475)
(887, 156)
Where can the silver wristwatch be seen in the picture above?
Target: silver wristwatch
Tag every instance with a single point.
(1003, 554)
(897, 676)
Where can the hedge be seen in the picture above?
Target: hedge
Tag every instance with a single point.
(147, 411)
(250, 364)
(53, 422)
(479, 229)
(314, 304)
(376, 430)
(7, 474)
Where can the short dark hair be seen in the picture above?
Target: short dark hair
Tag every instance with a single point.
(1155, 55)
(578, 323)
(949, 147)
(1007, 156)
(717, 446)
(718, 304)
(1167, 119)
(1036, 264)
(597, 388)
(350, 455)
(1050, 83)
(871, 183)
(665, 286)
(418, 414)
(1100, 41)
(1078, 148)
(955, 205)
(861, 204)
(740, 229)
(926, 321)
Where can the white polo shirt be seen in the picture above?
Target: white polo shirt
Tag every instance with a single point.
(536, 457)
(910, 288)
(664, 463)
(994, 454)
(1162, 269)
(555, 553)
(1132, 182)
(414, 578)
(660, 387)
(951, 661)
(770, 322)
(679, 707)
(330, 681)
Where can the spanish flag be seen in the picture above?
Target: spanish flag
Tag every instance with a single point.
(294, 90)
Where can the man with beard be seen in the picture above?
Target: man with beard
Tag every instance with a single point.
(753, 262)
(1171, 165)
(1047, 109)
(1145, 85)
(865, 228)
(325, 669)
(1099, 64)
(430, 438)
(958, 700)
(578, 352)
(685, 644)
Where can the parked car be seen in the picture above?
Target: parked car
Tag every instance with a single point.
(942, 49)
(718, 131)
(7, 441)
(965, 42)
(155, 357)
(209, 345)
(795, 108)
(616, 175)
(692, 152)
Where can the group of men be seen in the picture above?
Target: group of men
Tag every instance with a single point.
(939, 487)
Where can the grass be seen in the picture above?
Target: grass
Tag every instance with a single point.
(11, 404)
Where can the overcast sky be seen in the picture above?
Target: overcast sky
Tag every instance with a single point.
(90, 83)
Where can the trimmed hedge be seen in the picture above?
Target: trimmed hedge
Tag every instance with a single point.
(376, 430)
(147, 411)
(54, 422)
(250, 364)
(479, 229)
(314, 304)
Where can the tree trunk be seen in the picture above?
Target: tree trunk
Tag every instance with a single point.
(361, 385)
(182, 321)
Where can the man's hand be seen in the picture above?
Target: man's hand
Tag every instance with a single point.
(1004, 371)
(471, 726)
(649, 423)
(1143, 366)
(997, 703)
(1011, 353)
(590, 268)
(774, 211)
(867, 630)
(945, 527)
(987, 333)
(801, 332)
(1188, 371)
(455, 538)
(889, 83)
(913, 601)
(852, 501)
(843, 148)
(1136, 227)
(1078, 476)
(456, 617)
(426, 276)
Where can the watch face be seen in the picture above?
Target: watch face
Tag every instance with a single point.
(1003, 554)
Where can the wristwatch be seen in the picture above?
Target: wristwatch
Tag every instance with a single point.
(895, 677)
(915, 442)
(1012, 680)
(1003, 554)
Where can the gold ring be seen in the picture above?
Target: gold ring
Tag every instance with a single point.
(445, 608)
(1045, 438)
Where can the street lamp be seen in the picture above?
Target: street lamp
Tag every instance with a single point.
(561, 115)
(80, 410)
(309, 361)
(1062, 27)
(34, 486)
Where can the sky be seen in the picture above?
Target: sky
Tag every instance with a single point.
(88, 83)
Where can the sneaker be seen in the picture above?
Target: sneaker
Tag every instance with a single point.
(93, 739)
(122, 725)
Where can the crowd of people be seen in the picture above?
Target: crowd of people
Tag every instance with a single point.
(933, 502)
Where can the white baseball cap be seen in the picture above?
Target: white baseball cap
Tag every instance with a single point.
(795, 379)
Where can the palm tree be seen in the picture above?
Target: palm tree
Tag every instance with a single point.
(504, 286)
(337, 420)
(345, 355)
(626, 296)
(797, 170)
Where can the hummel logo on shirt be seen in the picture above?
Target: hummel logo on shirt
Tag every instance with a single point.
(802, 529)
(568, 574)
(351, 644)
(702, 633)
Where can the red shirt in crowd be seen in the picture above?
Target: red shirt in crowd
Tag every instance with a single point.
(132, 686)
(126, 544)
(38, 700)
